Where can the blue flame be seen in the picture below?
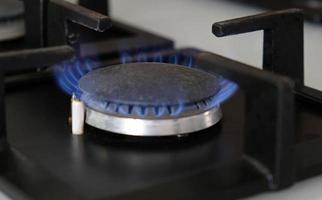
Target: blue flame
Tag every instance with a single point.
(228, 89)
(70, 72)
(158, 58)
(125, 58)
(174, 59)
(142, 57)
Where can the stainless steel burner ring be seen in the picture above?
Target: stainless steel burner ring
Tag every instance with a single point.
(153, 127)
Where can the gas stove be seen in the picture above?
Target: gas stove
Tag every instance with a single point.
(92, 112)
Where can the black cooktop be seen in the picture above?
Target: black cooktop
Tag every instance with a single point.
(45, 156)
(269, 137)
(100, 165)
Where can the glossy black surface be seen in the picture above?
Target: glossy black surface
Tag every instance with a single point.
(38, 127)
(101, 165)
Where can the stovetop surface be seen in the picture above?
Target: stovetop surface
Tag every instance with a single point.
(102, 164)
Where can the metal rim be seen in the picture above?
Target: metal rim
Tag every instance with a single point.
(153, 127)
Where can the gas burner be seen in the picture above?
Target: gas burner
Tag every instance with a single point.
(270, 138)
(150, 99)
(11, 20)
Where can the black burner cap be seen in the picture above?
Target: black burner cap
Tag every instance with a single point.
(149, 84)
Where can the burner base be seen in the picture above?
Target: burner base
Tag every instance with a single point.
(153, 127)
